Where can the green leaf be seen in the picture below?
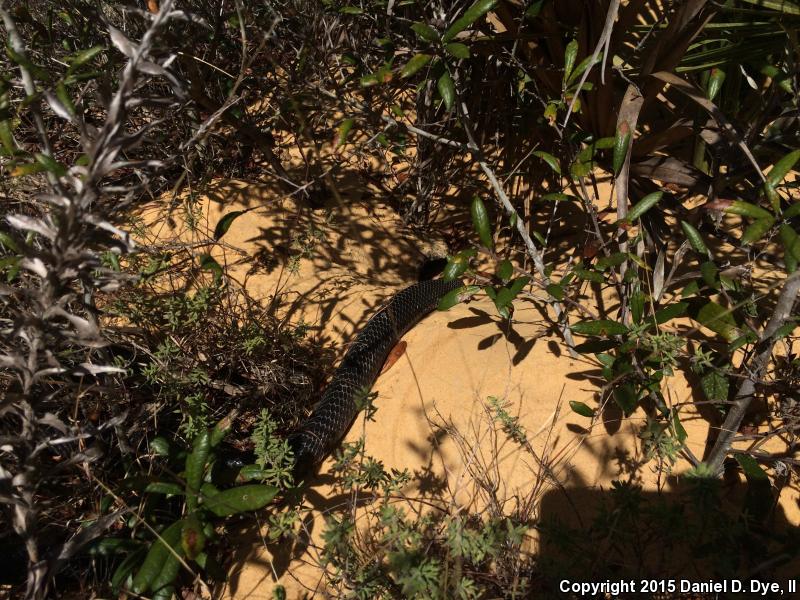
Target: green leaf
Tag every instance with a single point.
(518, 284)
(157, 556)
(455, 268)
(792, 211)
(207, 263)
(709, 271)
(558, 197)
(415, 64)
(224, 224)
(694, 237)
(193, 539)
(447, 90)
(80, 58)
(784, 330)
(351, 10)
(65, 98)
(791, 247)
(715, 386)
(670, 312)
(644, 205)
(605, 327)
(456, 296)
(125, 568)
(570, 56)
(457, 50)
(160, 446)
(715, 81)
(621, 142)
(592, 276)
(582, 66)
(7, 241)
(426, 32)
(551, 160)
(752, 470)
(472, 14)
(595, 346)
(7, 137)
(534, 9)
(480, 219)
(677, 427)
(581, 408)
(626, 398)
(781, 168)
(164, 487)
(505, 270)
(745, 209)
(757, 230)
(240, 499)
(196, 466)
(719, 320)
(556, 291)
(637, 305)
(341, 139)
(50, 164)
(613, 260)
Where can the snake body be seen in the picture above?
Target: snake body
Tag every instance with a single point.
(322, 431)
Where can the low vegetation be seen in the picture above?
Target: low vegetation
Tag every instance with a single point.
(642, 150)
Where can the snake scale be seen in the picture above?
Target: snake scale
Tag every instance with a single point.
(322, 431)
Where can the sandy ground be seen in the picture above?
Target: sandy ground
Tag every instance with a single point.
(454, 362)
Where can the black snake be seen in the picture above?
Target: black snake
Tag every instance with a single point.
(322, 431)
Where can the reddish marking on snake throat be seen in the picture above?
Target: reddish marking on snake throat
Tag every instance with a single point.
(394, 354)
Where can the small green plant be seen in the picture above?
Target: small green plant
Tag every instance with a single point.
(175, 529)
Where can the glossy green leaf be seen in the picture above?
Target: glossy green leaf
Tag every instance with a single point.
(581, 408)
(447, 90)
(757, 230)
(715, 386)
(415, 64)
(791, 247)
(587, 275)
(455, 267)
(456, 296)
(164, 487)
(156, 558)
(472, 14)
(458, 50)
(341, 139)
(605, 327)
(781, 168)
(208, 263)
(193, 538)
(626, 398)
(551, 160)
(426, 32)
(715, 81)
(126, 567)
(559, 197)
(505, 270)
(570, 56)
(224, 224)
(480, 220)
(240, 499)
(746, 209)
(694, 237)
(752, 470)
(556, 291)
(644, 205)
(678, 309)
(196, 465)
(719, 320)
(622, 141)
